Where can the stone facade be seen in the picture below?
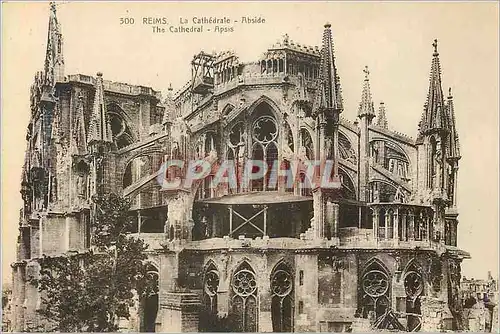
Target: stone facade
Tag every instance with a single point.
(260, 256)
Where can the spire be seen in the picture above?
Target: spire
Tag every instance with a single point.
(169, 106)
(78, 137)
(54, 59)
(366, 104)
(330, 96)
(454, 144)
(99, 128)
(381, 117)
(434, 116)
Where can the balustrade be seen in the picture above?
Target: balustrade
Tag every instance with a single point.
(401, 222)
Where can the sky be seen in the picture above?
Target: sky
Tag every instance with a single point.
(392, 38)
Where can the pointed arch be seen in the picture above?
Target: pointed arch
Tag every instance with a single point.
(282, 292)
(150, 304)
(273, 106)
(289, 136)
(414, 265)
(374, 262)
(375, 288)
(413, 281)
(348, 185)
(346, 150)
(210, 265)
(243, 263)
(395, 145)
(307, 143)
(211, 279)
(282, 263)
(122, 126)
(244, 294)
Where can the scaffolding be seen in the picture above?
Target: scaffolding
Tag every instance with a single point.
(202, 73)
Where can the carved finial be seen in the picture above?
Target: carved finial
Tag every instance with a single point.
(99, 74)
(328, 25)
(367, 73)
(435, 45)
(286, 39)
(170, 87)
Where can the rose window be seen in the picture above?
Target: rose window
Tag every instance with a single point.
(413, 284)
(244, 283)
(281, 283)
(375, 283)
(265, 129)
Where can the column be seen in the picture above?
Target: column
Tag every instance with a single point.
(428, 223)
(230, 220)
(404, 219)
(386, 221)
(396, 225)
(336, 218)
(411, 229)
(139, 221)
(375, 223)
(265, 220)
(329, 219)
(321, 144)
(455, 172)
(359, 216)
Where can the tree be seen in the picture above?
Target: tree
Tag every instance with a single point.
(89, 291)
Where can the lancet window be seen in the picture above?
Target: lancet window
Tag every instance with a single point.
(282, 299)
(414, 288)
(265, 148)
(244, 299)
(375, 288)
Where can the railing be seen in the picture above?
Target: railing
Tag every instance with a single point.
(402, 222)
(253, 78)
(116, 86)
(394, 225)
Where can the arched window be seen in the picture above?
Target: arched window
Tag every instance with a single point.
(432, 164)
(305, 185)
(289, 136)
(414, 288)
(265, 148)
(307, 144)
(382, 192)
(348, 189)
(236, 146)
(375, 287)
(391, 156)
(122, 134)
(150, 303)
(282, 299)
(244, 299)
(381, 224)
(346, 150)
(136, 169)
(390, 224)
(208, 318)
